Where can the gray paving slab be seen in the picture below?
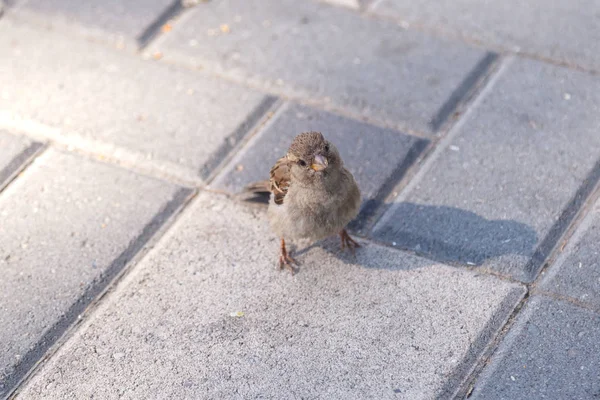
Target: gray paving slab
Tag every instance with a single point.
(576, 272)
(208, 315)
(565, 30)
(552, 352)
(510, 178)
(141, 112)
(329, 55)
(15, 151)
(374, 155)
(124, 23)
(68, 226)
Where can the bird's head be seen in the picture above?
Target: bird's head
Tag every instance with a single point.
(313, 157)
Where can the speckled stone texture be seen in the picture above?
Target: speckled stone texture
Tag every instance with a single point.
(552, 352)
(160, 117)
(496, 194)
(208, 314)
(65, 223)
(304, 49)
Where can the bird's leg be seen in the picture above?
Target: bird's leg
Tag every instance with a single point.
(285, 259)
(347, 241)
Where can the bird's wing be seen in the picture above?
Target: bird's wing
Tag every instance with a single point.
(280, 179)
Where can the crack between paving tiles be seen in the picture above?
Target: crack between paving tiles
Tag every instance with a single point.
(318, 103)
(567, 223)
(95, 150)
(465, 389)
(492, 70)
(566, 299)
(461, 93)
(154, 29)
(567, 218)
(463, 378)
(373, 207)
(252, 122)
(446, 111)
(55, 336)
(489, 333)
(573, 215)
(276, 110)
(19, 163)
(561, 227)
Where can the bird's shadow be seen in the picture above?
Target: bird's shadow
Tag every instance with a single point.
(441, 233)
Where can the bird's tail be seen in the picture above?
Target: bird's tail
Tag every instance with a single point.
(257, 192)
(258, 187)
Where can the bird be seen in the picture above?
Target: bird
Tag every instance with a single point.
(312, 194)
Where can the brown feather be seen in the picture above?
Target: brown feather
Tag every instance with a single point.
(280, 179)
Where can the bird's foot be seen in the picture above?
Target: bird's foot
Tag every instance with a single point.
(348, 242)
(285, 259)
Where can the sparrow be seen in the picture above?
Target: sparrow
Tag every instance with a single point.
(312, 194)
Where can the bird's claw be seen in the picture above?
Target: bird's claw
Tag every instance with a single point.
(285, 259)
(348, 242)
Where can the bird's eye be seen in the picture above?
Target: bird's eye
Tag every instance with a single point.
(327, 148)
(302, 163)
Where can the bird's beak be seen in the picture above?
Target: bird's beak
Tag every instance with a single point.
(319, 163)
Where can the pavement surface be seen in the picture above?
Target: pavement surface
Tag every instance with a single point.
(130, 268)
